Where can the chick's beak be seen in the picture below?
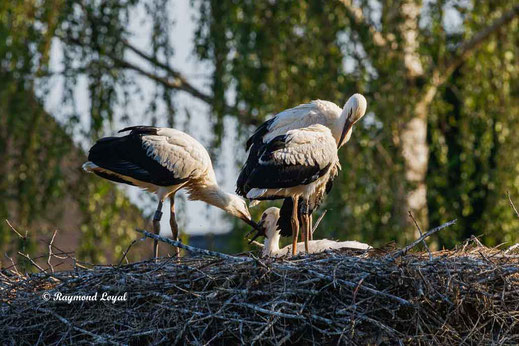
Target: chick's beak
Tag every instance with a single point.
(258, 233)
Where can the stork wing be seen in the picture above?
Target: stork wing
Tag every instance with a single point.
(178, 152)
(302, 116)
(297, 158)
(153, 155)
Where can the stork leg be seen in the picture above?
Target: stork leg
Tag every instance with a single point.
(306, 225)
(311, 225)
(156, 229)
(173, 223)
(295, 225)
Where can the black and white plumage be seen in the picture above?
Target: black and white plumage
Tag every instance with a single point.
(270, 224)
(297, 165)
(339, 121)
(299, 169)
(163, 161)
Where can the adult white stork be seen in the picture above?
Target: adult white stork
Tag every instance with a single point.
(297, 165)
(270, 223)
(339, 121)
(163, 161)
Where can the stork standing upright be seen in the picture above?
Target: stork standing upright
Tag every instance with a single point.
(298, 171)
(270, 224)
(297, 165)
(163, 161)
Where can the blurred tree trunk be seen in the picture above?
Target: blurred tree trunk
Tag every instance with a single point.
(413, 137)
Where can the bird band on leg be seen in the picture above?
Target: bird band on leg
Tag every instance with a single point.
(156, 229)
(158, 215)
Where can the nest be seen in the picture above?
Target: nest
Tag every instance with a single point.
(468, 295)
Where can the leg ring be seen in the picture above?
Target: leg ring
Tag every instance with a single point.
(157, 216)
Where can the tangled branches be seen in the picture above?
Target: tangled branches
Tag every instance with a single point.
(467, 295)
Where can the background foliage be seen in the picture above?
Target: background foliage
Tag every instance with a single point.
(416, 63)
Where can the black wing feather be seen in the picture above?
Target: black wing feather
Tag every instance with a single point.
(258, 135)
(285, 217)
(256, 145)
(275, 176)
(141, 130)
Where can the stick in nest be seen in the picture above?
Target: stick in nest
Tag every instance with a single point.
(421, 234)
(512, 203)
(419, 240)
(192, 248)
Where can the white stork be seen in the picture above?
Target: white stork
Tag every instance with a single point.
(338, 121)
(297, 165)
(163, 161)
(269, 222)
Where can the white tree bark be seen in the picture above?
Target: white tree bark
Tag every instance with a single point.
(413, 137)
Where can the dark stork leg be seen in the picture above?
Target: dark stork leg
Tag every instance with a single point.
(295, 225)
(156, 229)
(173, 223)
(306, 225)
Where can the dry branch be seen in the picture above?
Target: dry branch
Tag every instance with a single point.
(512, 204)
(193, 249)
(422, 238)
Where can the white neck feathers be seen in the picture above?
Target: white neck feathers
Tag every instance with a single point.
(271, 245)
(211, 194)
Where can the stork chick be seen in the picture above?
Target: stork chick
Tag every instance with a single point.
(269, 223)
(163, 161)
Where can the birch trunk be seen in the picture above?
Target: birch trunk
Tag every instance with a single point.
(413, 137)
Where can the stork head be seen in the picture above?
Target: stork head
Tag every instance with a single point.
(236, 206)
(268, 224)
(353, 110)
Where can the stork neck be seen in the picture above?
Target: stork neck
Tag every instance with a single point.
(211, 194)
(271, 245)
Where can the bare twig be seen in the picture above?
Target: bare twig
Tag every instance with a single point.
(50, 251)
(512, 204)
(192, 248)
(128, 249)
(421, 233)
(319, 220)
(419, 240)
(14, 230)
(32, 262)
(257, 243)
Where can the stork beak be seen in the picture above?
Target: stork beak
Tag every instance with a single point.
(253, 224)
(347, 127)
(260, 231)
